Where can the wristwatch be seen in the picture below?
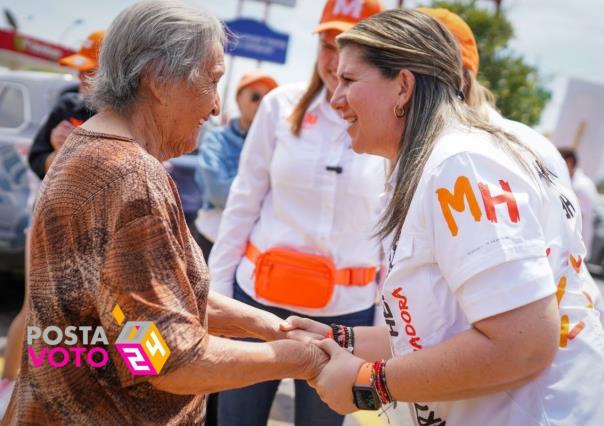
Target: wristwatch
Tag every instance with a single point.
(364, 395)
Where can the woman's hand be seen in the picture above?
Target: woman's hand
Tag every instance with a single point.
(334, 382)
(304, 329)
(59, 134)
(318, 360)
(231, 318)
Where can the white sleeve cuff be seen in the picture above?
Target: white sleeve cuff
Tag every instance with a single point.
(505, 287)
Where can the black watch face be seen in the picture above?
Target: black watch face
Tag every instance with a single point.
(365, 398)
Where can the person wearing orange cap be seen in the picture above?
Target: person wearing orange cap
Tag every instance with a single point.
(219, 153)
(475, 94)
(296, 236)
(70, 110)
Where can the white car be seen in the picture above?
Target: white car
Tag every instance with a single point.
(26, 98)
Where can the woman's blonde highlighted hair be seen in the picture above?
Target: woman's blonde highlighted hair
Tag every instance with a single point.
(477, 96)
(405, 39)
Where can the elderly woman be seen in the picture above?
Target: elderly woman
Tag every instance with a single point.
(111, 250)
(487, 320)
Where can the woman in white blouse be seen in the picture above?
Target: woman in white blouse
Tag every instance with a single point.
(488, 320)
(297, 233)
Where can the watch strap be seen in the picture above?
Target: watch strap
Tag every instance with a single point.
(364, 374)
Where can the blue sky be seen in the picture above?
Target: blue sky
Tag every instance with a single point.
(564, 38)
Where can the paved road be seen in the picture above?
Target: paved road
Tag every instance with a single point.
(283, 410)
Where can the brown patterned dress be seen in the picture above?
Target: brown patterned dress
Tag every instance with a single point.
(109, 229)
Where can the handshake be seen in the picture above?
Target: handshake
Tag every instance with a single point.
(331, 369)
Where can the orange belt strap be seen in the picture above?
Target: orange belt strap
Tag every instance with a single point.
(346, 276)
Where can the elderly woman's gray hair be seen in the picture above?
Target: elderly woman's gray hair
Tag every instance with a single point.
(164, 39)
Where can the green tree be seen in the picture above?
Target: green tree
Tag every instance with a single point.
(517, 85)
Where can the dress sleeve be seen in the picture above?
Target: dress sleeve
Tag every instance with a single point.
(488, 239)
(145, 273)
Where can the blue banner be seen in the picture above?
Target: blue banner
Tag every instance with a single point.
(257, 40)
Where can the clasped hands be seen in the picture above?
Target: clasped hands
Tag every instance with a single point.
(334, 379)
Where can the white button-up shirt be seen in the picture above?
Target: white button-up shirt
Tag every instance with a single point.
(284, 196)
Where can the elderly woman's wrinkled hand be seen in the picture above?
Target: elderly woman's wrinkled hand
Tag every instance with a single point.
(303, 329)
(334, 382)
(319, 359)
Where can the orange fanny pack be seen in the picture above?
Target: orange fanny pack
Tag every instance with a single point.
(300, 279)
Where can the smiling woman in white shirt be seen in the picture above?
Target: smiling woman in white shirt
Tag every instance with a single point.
(487, 317)
(297, 233)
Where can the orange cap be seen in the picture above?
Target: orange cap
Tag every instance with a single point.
(87, 58)
(462, 33)
(256, 77)
(341, 15)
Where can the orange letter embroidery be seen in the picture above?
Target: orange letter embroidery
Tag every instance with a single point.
(565, 333)
(456, 200)
(490, 201)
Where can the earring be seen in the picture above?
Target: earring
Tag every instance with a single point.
(399, 113)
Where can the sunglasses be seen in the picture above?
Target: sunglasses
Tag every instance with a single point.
(256, 97)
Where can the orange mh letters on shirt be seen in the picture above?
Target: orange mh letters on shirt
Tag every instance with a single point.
(463, 192)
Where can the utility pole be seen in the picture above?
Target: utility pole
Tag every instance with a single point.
(229, 72)
(267, 7)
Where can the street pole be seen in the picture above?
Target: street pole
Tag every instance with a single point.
(11, 19)
(229, 72)
(267, 7)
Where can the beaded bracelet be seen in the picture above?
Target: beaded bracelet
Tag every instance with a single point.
(378, 381)
(344, 336)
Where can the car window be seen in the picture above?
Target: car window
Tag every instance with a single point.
(12, 105)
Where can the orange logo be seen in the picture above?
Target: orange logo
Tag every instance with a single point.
(463, 192)
(575, 263)
(566, 333)
(506, 197)
(309, 120)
